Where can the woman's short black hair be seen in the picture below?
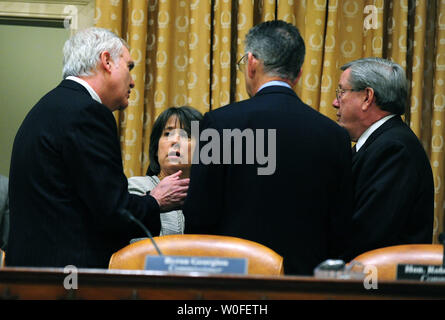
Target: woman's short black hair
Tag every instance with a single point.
(185, 115)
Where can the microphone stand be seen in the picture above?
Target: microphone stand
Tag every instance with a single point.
(128, 215)
(442, 241)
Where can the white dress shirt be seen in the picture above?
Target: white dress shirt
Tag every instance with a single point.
(85, 84)
(365, 135)
(275, 83)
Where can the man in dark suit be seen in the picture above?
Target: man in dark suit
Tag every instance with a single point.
(4, 212)
(68, 192)
(393, 182)
(284, 178)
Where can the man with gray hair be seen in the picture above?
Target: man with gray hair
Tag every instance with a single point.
(393, 182)
(301, 208)
(69, 199)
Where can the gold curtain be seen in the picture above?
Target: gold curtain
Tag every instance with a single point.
(186, 54)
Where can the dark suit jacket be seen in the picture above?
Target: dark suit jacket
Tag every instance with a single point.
(67, 185)
(4, 212)
(303, 209)
(394, 190)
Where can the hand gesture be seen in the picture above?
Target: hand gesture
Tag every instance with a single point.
(171, 192)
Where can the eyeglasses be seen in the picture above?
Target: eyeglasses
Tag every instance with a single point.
(339, 92)
(242, 62)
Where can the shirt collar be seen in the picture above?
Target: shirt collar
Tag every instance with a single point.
(365, 135)
(275, 83)
(85, 84)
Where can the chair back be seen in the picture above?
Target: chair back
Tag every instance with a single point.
(261, 259)
(386, 259)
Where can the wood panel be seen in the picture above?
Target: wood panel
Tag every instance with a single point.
(36, 283)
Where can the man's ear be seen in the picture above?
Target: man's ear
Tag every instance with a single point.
(252, 65)
(369, 98)
(106, 61)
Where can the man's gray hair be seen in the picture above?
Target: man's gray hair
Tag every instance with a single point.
(81, 53)
(387, 78)
(279, 45)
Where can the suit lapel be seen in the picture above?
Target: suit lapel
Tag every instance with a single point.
(74, 85)
(391, 123)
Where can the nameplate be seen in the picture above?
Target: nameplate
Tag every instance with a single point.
(421, 272)
(196, 264)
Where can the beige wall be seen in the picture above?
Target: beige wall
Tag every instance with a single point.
(31, 61)
(30, 64)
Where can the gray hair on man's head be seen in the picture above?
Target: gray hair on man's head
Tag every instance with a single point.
(385, 77)
(279, 45)
(81, 53)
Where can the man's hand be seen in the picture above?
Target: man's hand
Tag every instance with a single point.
(171, 192)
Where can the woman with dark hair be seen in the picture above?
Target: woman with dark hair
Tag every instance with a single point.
(171, 149)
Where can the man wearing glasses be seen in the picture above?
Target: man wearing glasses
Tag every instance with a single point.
(393, 182)
(302, 209)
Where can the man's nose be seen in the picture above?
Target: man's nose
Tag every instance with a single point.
(336, 103)
(131, 82)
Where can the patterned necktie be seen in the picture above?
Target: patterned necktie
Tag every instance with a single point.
(354, 150)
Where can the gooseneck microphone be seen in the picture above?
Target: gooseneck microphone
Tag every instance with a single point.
(127, 214)
(442, 242)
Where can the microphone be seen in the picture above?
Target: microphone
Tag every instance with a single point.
(442, 241)
(127, 214)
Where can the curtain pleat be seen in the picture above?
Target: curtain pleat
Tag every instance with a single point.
(186, 54)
